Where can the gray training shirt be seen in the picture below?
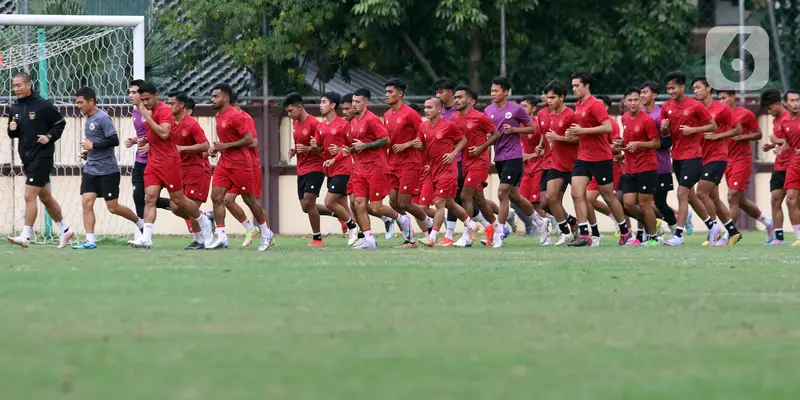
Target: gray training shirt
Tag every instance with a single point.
(100, 162)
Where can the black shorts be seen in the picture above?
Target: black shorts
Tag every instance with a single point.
(556, 174)
(602, 171)
(642, 183)
(310, 183)
(665, 183)
(777, 180)
(460, 178)
(37, 172)
(544, 180)
(688, 171)
(337, 184)
(509, 171)
(105, 186)
(714, 171)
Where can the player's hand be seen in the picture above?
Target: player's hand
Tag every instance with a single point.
(43, 139)
(619, 159)
(768, 146)
(146, 114)
(328, 163)
(84, 155)
(334, 149)
(13, 125)
(346, 150)
(687, 130)
(448, 158)
(129, 142)
(475, 151)
(427, 168)
(664, 125)
(400, 147)
(573, 131)
(527, 156)
(301, 148)
(797, 152)
(143, 149)
(632, 146)
(509, 129)
(212, 152)
(313, 143)
(538, 152)
(219, 146)
(551, 136)
(738, 138)
(710, 136)
(417, 144)
(86, 144)
(358, 145)
(292, 153)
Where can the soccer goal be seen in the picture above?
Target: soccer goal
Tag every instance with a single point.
(63, 53)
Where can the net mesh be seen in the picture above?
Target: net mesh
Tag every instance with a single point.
(61, 59)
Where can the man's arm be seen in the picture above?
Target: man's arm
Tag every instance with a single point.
(12, 133)
(382, 142)
(56, 122)
(527, 128)
(244, 141)
(603, 128)
(195, 148)
(735, 131)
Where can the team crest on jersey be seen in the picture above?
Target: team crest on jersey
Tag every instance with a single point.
(333, 131)
(399, 120)
(92, 126)
(184, 133)
(583, 113)
(32, 116)
(508, 115)
(560, 123)
(305, 132)
(669, 112)
(636, 128)
(685, 112)
(143, 120)
(469, 125)
(438, 135)
(361, 129)
(713, 116)
(224, 124)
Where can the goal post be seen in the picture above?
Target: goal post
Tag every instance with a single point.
(63, 53)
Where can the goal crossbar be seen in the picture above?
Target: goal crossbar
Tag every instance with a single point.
(137, 22)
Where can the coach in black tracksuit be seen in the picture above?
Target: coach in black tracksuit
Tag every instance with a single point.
(37, 124)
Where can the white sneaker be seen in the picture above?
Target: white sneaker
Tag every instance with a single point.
(463, 241)
(596, 241)
(497, 240)
(713, 234)
(674, 241)
(137, 234)
(206, 232)
(353, 236)
(19, 241)
(389, 229)
(218, 244)
(141, 244)
(63, 239)
(564, 239)
(544, 233)
(367, 245)
(359, 241)
(404, 221)
(661, 227)
(267, 240)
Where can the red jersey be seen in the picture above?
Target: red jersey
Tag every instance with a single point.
(302, 133)
(688, 112)
(740, 150)
(439, 140)
(563, 154)
(369, 129)
(403, 126)
(791, 130)
(476, 126)
(189, 133)
(529, 144)
(783, 159)
(254, 154)
(717, 150)
(231, 127)
(641, 128)
(162, 152)
(590, 114)
(543, 116)
(335, 133)
(615, 134)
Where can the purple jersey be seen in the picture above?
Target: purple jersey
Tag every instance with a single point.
(447, 113)
(139, 126)
(662, 155)
(508, 146)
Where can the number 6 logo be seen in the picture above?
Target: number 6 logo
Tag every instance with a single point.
(756, 43)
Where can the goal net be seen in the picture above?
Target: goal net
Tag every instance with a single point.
(62, 54)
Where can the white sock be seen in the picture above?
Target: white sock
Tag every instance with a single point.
(498, 227)
(147, 234)
(480, 218)
(386, 219)
(764, 219)
(63, 225)
(247, 224)
(204, 222)
(644, 237)
(27, 231)
(198, 237)
(140, 224)
(469, 224)
(434, 235)
(429, 222)
(536, 217)
(91, 238)
(368, 236)
(796, 231)
(450, 230)
(221, 233)
(265, 231)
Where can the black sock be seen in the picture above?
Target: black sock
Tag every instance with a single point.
(350, 224)
(779, 234)
(430, 230)
(731, 228)
(564, 227)
(678, 232)
(584, 229)
(571, 220)
(360, 235)
(709, 222)
(661, 203)
(623, 228)
(595, 231)
(640, 235)
(317, 236)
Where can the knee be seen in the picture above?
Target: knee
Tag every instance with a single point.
(375, 207)
(330, 202)
(218, 197)
(551, 198)
(404, 204)
(576, 195)
(304, 205)
(502, 194)
(228, 201)
(113, 208)
(88, 204)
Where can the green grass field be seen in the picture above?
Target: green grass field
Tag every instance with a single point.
(524, 322)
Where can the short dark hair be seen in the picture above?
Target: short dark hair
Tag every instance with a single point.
(148, 87)
(677, 76)
(770, 96)
(444, 84)
(190, 103)
(224, 88)
(729, 92)
(653, 86)
(530, 99)
(179, 95)
(634, 89)
(136, 82)
(468, 90)
(333, 97)
(503, 82)
(584, 77)
(790, 91)
(234, 99)
(606, 100)
(701, 79)
(363, 93)
(346, 98)
(87, 93)
(24, 75)
(558, 88)
(292, 99)
(397, 83)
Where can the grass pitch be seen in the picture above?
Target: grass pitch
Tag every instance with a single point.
(524, 322)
